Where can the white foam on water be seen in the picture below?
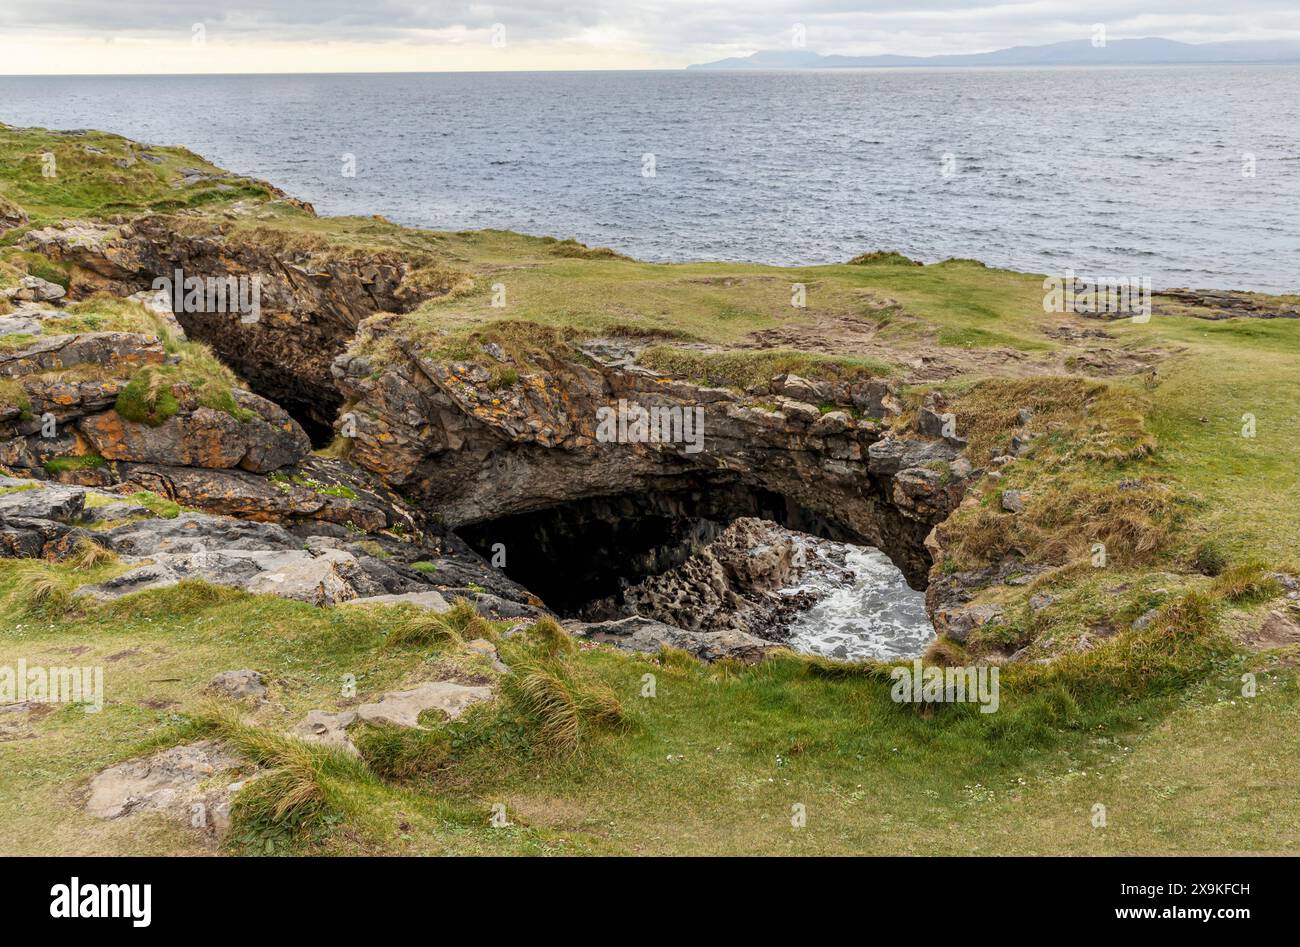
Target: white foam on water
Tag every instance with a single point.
(874, 615)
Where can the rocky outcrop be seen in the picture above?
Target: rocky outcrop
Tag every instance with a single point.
(316, 563)
(199, 436)
(11, 215)
(311, 299)
(734, 584)
(114, 353)
(1223, 304)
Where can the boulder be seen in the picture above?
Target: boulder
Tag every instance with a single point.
(35, 289)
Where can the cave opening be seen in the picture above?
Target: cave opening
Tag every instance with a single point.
(578, 556)
(313, 418)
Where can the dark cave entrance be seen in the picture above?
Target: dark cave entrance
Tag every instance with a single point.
(312, 418)
(578, 556)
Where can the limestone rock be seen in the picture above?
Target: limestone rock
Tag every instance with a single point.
(35, 289)
(431, 600)
(403, 708)
(182, 783)
(327, 729)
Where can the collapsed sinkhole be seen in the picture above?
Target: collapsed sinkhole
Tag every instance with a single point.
(575, 554)
(280, 366)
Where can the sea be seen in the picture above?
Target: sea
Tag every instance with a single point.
(1186, 175)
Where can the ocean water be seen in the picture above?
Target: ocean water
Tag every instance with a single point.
(873, 615)
(1108, 171)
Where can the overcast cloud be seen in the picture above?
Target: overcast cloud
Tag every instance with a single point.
(286, 35)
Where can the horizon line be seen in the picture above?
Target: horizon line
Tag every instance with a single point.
(681, 69)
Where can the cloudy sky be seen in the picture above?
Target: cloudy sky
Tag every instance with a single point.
(175, 36)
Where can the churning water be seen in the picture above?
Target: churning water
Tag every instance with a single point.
(872, 615)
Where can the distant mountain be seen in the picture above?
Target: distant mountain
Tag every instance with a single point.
(1151, 50)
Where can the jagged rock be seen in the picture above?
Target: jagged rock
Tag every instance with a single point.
(800, 389)
(732, 584)
(203, 437)
(875, 399)
(647, 635)
(1013, 501)
(319, 580)
(889, 456)
(180, 783)
(46, 502)
(239, 685)
(35, 289)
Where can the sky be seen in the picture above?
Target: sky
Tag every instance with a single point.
(210, 36)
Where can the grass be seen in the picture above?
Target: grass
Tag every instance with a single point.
(584, 763)
(85, 184)
(60, 465)
(743, 370)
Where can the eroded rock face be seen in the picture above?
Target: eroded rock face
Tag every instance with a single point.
(478, 453)
(310, 302)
